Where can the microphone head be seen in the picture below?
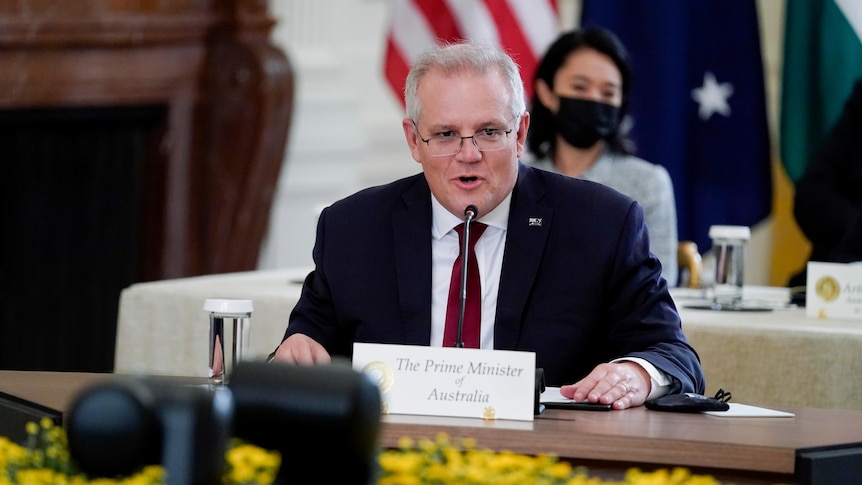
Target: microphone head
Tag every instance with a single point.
(471, 211)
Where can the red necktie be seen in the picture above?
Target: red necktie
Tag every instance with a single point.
(473, 300)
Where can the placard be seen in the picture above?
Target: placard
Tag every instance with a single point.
(834, 290)
(442, 381)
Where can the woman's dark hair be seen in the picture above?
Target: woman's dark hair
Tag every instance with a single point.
(542, 136)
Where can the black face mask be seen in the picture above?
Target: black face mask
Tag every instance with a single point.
(582, 123)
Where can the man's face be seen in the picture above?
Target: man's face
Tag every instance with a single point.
(464, 104)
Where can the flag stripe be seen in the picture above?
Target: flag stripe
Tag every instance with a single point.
(410, 30)
(512, 38)
(395, 68)
(444, 25)
(509, 27)
(524, 28)
(540, 22)
(475, 20)
(852, 10)
(822, 60)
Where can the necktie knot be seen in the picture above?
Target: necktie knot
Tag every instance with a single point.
(476, 231)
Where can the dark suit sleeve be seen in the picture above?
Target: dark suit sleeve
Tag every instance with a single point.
(314, 314)
(643, 317)
(372, 270)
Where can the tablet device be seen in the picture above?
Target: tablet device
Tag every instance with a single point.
(588, 406)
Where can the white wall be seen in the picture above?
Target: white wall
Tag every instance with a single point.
(346, 129)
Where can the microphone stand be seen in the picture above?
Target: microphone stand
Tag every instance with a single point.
(469, 214)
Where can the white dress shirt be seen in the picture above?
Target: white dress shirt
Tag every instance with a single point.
(489, 258)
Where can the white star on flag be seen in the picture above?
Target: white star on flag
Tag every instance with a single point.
(712, 97)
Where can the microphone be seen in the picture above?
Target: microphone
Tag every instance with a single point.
(470, 213)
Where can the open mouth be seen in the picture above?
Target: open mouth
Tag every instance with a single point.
(468, 179)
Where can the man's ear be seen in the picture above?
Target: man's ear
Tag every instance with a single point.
(546, 96)
(412, 138)
(523, 126)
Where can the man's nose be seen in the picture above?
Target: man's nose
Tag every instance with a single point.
(469, 152)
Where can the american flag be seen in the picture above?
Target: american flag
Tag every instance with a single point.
(523, 28)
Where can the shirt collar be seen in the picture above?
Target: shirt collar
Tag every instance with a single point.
(444, 221)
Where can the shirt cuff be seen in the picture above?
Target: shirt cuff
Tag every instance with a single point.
(659, 381)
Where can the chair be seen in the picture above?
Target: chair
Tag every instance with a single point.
(690, 264)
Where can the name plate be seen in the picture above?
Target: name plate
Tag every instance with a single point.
(438, 381)
(834, 290)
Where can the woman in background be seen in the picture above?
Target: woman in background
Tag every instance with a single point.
(581, 91)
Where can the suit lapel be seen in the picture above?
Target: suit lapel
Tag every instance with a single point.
(528, 228)
(412, 234)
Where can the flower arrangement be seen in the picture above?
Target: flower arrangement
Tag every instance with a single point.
(443, 461)
(45, 460)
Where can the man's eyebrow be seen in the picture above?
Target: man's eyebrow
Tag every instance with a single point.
(450, 127)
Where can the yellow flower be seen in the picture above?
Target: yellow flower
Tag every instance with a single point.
(405, 442)
(45, 461)
(250, 464)
(401, 463)
(400, 480)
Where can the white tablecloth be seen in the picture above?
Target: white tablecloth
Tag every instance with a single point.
(162, 328)
(776, 358)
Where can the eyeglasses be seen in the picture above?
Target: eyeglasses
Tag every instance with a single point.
(448, 143)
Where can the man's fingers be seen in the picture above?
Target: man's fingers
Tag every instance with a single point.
(300, 349)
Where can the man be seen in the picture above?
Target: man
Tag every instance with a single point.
(565, 265)
(828, 202)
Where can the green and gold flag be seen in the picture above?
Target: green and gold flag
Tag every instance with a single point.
(822, 60)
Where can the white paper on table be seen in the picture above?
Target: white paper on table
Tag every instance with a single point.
(746, 411)
(552, 394)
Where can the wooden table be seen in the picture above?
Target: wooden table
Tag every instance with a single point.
(802, 449)
(740, 450)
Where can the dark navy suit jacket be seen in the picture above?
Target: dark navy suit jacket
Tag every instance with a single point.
(579, 289)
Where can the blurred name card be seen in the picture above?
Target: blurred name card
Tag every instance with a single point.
(834, 290)
(442, 381)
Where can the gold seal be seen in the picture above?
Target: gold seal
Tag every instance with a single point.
(828, 288)
(489, 413)
(380, 374)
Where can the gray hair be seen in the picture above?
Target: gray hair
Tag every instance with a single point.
(464, 57)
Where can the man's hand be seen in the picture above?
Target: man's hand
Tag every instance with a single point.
(625, 384)
(301, 349)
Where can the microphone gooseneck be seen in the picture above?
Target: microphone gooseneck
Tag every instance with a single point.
(470, 213)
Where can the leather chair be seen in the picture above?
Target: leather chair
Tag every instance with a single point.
(690, 264)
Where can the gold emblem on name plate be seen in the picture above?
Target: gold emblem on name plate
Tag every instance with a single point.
(380, 374)
(828, 288)
(489, 413)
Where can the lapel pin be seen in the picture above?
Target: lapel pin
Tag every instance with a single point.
(534, 221)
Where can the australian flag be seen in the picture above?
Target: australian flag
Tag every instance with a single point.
(698, 104)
